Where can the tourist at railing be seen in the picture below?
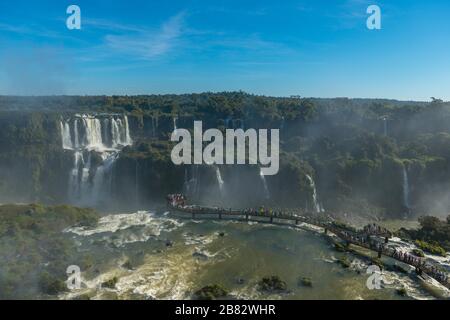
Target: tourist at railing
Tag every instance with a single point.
(364, 238)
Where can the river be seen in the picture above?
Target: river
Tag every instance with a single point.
(171, 258)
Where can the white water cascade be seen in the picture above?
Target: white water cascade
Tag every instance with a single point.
(103, 136)
(406, 189)
(220, 181)
(317, 206)
(175, 128)
(191, 181)
(264, 182)
(66, 136)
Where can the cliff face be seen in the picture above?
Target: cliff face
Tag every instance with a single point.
(335, 155)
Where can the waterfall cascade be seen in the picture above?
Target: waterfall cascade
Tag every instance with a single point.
(406, 189)
(175, 128)
(264, 182)
(317, 205)
(220, 181)
(191, 181)
(87, 135)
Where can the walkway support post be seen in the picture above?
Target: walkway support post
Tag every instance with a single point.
(220, 216)
(271, 219)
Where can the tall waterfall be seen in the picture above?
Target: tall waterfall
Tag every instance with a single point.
(66, 136)
(317, 206)
(264, 182)
(175, 128)
(220, 180)
(89, 135)
(77, 137)
(191, 181)
(406, 188)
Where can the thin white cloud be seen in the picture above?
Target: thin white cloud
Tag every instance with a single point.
(149, 44)
(110, 26)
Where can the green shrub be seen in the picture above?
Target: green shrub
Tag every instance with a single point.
(433, 248)
(111, 283)
(418, 253)
(273, 283)
(211, 292)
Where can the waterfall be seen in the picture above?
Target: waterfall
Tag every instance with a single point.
(128, 140)
(85, 183)
(74, 180)
(219, 180)
(66, 136)
(104, 136)
(101, 186)
(75, 129)
(317, 206)
(93, 132)
(405, 188)
(175, 128)
(264, 182)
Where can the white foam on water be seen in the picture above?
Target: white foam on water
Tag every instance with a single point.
(192, 239)
(123, 226)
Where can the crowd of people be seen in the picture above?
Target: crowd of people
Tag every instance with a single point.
(375, 244)
(263, 211)
(421, 264)
(176, 200)
(368, 236)
(375, 229)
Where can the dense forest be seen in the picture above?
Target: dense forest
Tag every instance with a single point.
(363, 156)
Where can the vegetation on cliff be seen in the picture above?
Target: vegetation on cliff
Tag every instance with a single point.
(355, 149)
(433, 236)
(34, 252)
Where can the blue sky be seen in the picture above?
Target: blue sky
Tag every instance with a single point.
(318, 48)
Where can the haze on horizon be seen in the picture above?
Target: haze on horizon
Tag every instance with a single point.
(307, 48)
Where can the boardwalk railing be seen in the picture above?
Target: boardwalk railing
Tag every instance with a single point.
(363, 240)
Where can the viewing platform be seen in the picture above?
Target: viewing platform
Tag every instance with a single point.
(372, 237)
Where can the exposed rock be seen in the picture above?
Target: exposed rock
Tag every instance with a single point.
(273, 283)
(211, 292)
(305, 282)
